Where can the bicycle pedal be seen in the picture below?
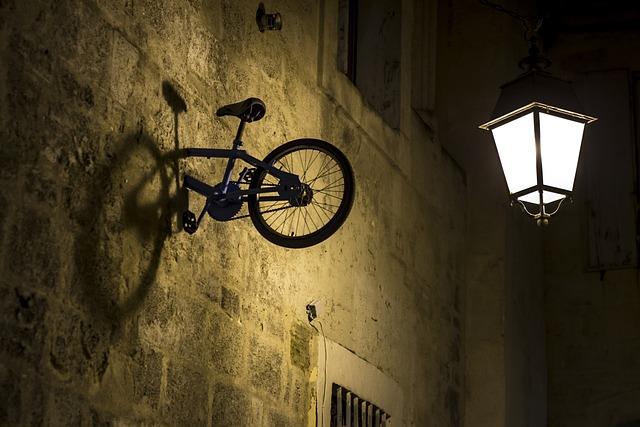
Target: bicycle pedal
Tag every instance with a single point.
(189, 222)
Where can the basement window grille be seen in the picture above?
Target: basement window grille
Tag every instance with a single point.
(350, 410)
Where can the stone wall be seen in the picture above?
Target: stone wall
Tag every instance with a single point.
(113, 316)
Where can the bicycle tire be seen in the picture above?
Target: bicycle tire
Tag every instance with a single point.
(337, 218)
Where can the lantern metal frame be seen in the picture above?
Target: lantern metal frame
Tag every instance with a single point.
(536, 108)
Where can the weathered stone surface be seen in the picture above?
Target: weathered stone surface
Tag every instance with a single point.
(231, 406)
(187, 396)
(22, 330)
(120, 318)
(3, 215)
(34, 394)
(265, 367)
(78, 349)
(65, 408)
(230, 301)
(10, 404)
(276, 419)
(228, 341)
(99, 419)
(34, 252)
(299, 346)
(147, 375)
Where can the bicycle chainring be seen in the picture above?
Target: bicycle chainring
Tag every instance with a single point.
(224, 210)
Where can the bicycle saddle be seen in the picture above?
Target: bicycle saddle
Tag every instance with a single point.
(249, 110)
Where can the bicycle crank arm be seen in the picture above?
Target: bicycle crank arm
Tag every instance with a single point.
(198, 186)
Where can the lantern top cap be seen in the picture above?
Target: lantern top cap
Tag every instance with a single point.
(540, 90)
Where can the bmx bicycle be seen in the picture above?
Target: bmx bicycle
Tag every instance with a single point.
(298, 196)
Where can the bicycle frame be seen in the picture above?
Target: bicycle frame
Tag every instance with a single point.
(289, 185)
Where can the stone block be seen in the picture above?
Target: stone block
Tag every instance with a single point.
(24, 307)
(265, 314)
(77, 94)
(452, 405)
(276, 419)
(33, 399)
(78, 348)
(233, 407)
(158, 309)
(200, 56)
(147, 375)
(34, 250)
(42, 188)
(265, 367)
(296, 392)
(117, 8)
(98, 418)
(3, 215)
(211, 291)
(92, 43)
(10, 403)
(230, 302)
(227, 341)
(64, 347)
(299, 346)
(66, 408)
(300, 392)
(124, 65)
(9, 156)
(22, 327)
(187, 396)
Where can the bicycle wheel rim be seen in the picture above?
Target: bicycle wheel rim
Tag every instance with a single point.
(334, 161)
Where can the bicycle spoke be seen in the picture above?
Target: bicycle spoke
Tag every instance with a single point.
(297, 221)
(275, 203)
(312, 221)
(270, 216)
(313, 160)
(322, 206)
(306, 168)
(284, 221)
(277, 216)
(332, 185)
(304, 218)
(327, 194)
(318, 212)
(326, 174)
(324, 164)
(283, 165)
(314, 167)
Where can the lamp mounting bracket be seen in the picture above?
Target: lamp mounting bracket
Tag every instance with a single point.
(535, 60)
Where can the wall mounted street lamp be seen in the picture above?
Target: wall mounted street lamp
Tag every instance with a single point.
(537, 130)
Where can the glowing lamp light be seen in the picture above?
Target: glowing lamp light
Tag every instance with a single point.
(538, 133)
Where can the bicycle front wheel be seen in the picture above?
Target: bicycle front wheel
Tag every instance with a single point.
(321, 209)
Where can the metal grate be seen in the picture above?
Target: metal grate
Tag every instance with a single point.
(349, 409)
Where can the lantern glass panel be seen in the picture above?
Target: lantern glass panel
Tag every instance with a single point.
(547, 197)
(560, 141)
(515, 141)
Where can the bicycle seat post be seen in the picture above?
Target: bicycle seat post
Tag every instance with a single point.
(237, 143)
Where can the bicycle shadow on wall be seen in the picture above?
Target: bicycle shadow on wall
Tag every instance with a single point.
(133, 199)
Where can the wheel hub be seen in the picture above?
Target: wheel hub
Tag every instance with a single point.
(303, 198)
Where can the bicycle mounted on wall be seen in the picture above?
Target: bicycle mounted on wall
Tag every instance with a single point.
(298, 196)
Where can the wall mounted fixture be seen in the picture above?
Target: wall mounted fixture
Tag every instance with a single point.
(537, 129)
(267, 21)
